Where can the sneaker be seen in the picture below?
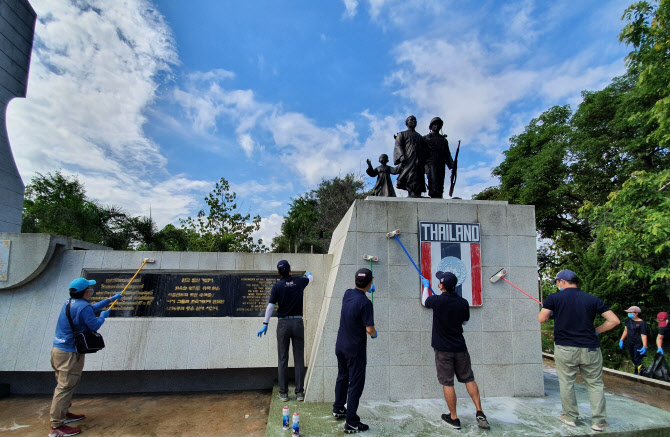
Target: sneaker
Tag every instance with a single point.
(69, 417)
(565, 419)
(481, 420)
(340, 414)
(454, 423)
(64, 431)
(300, 397)
(283, 397)
(600, 426)
(348, 429)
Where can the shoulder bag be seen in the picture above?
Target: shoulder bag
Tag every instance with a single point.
(86, 342)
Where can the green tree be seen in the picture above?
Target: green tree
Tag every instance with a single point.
(221, 227)
(56, 204)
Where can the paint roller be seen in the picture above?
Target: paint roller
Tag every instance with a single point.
(144, 262)
(394, 234)
(500, 274)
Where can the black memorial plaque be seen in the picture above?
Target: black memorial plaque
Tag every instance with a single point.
(185, 294)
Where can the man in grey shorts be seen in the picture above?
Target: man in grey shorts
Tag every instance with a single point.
(450, 313)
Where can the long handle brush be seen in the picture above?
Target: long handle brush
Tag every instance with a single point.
(146, 260)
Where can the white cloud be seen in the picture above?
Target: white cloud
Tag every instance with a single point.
(350, 8)
(92, 77)
(270, 228)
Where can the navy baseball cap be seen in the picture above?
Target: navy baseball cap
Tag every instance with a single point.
(363, 277)
(447, 279)
(566, 275)
(80, 284)
(283, 266)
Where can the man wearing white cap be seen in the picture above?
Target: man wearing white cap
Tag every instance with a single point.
(66, 362)
(576, 346)
(636, 333)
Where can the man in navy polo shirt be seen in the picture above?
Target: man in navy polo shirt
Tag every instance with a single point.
(576, 346)
(288, 293)
(450, 313)
(356, 323)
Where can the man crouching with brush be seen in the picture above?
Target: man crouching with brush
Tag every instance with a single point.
(450, 313)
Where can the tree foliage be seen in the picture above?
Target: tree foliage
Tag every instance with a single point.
(220, 227)
(313, 217)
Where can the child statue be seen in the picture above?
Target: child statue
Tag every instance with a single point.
(383, 187)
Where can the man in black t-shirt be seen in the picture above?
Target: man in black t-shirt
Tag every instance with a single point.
(662, 318)
(356, 323)
(636, 334)
(288, 293)
(576, 346)
(450, 313)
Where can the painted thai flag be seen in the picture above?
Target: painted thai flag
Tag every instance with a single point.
(463, 259)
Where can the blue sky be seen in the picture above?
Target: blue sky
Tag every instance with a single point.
(150, 102)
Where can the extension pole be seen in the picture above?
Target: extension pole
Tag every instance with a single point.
(410, 258)
(372, 294)
(129, 282)
(503, 278)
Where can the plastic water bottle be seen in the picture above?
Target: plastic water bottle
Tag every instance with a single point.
(285, 418)
(296, 425)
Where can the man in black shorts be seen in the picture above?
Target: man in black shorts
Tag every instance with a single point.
(288, 294)
(450, 313)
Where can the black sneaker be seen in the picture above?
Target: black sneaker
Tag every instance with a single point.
(454, 423)
(348, 429)
(340, 414)
(481, 420)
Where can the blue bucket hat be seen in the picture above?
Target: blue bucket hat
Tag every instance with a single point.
(80, 284)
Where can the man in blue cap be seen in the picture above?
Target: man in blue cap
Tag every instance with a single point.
(288, 294)
(576, 346)
(450, 313)
(66, 362)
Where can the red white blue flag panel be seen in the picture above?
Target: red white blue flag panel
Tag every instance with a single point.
(455, 248)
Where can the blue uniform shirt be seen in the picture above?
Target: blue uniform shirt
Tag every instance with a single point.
(574, 312)
(83, 319)
(356, 314)
(635, 331)
(287, 294)
(449, 312)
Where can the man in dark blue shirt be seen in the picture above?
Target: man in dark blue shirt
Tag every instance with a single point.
(450, 313)
(576, 346)
(356, 323)
(288, 294)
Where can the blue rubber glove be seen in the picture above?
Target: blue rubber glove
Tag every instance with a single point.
(376, 332)
(643, 350)
(263, 331)
(660, 351)
(104, 314)
(372, 288)
(425, 282)
(116, 297)
(308, 274)
(620, 344)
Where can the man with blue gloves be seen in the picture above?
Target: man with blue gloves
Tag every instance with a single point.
(450, 313)
(636, 333)
(288, 294)
(576, 345)
(66, 362)
(356, 323)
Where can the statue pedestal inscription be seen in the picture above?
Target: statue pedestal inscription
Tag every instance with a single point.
(185, 294)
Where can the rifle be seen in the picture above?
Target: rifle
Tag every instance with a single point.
(454, 170)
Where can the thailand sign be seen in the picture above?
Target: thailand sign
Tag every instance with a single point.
(455, 248)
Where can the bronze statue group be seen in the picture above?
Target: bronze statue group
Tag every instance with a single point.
(416, 155)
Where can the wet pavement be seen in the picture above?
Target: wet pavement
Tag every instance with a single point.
(229, 413)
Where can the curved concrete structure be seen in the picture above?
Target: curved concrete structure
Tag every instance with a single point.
(17, 27)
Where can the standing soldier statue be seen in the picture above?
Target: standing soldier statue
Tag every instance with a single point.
(438, 155)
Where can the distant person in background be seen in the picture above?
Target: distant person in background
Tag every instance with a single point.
(66, 362)
(662, 319)
(288, 294)
(576, 346)
(635, 332)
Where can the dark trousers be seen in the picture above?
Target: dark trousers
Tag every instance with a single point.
(349, 385)
(635, 355)
(291, 331)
